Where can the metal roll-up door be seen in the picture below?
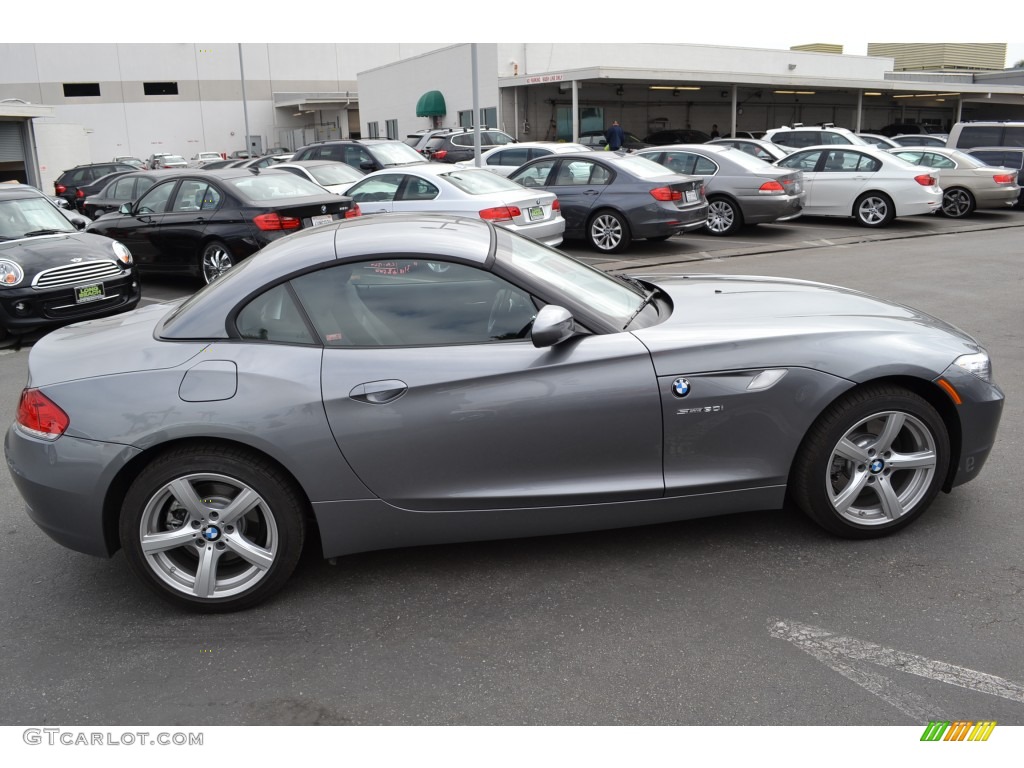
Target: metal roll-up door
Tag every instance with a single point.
(12, 142)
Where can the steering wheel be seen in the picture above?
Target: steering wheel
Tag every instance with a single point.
(511, 309)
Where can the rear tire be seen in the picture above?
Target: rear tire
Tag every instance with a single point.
(214, 260)
(957, 202)
(608, 232)
(874, 209)
(872, 462)
(724, 217)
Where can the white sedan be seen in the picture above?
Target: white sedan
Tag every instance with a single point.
(445, 188)
(505, 159)
(333, 176)
(864, 182)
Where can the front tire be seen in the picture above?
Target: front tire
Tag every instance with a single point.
(957, 203)
(872, 462)
(724, 217)
(212, 528)
(214, 261)
(874, 209)
(609, 232)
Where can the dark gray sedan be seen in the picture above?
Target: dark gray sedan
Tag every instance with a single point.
(611, 199)
(741, 189)
(411, 379)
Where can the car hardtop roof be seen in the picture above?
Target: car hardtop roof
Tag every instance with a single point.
(397, 235)
(17, 190)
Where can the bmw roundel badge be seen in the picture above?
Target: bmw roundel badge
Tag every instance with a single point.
(323, 209)
(680, 387)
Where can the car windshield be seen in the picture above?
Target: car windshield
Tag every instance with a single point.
(476, 181)
(615, 300)
(31, 216)
(335, 173)
(274, 186)
(642, 167)
(396, 153)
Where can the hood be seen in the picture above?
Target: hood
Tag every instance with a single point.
(118, 344)
(725, 322)
(46, 251)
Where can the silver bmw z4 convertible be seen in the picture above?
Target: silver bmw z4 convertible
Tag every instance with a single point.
(414, 379)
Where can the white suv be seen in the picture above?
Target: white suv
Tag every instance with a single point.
(798, 136)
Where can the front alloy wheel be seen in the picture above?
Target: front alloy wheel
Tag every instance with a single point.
(957, 203)
(874, 210)
(212, 529)
(872, 462)
(609, 232)
(216, 259)
(724, 217)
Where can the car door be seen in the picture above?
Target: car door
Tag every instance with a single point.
(578, 184)
(138, 229)
(439, 400)
(179, 232)
(808, 161)
(841, 176)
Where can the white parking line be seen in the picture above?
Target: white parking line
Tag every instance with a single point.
(841, 653)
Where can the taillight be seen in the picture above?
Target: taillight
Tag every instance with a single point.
(925, 180)
(502, 213)
(79, 193)
(771, 188)
(441, 154)
(1005, 178)
(270, 222)
(60, 188)
(666, 194)
(40, 416)
(352, 212)
(556, 206)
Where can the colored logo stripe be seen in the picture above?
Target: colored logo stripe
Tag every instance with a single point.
(959, 730)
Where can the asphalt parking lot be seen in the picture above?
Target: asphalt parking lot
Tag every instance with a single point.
(753, 619)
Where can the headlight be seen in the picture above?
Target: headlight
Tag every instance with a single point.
(978, 364)
(10, 273)
(122, 253)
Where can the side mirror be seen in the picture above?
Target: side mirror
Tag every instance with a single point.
(126, 209)
(552, 325)
(78, 222)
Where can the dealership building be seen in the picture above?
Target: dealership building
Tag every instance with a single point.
(62, 105)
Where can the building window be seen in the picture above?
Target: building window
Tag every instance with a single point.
(160, 89)
(489, 117)
(81, 89)
(392, 128)
(373, 130)
(466, 118)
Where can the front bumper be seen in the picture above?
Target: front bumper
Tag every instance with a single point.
(27, 309)
(979, 415)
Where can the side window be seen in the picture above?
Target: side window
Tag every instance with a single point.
(273, 316)
(868, 164)
(515, 157)
(578, 172)
(980, 136)
(155, 201)
(379, 189)
(704, 167)
(406, 302)
(834, 138)
(189, 196)
(933, 160)
(1014, 136)
(499, 139)
(141, 186)
(840, 162)
(802, 161)
(537, 175)
(416, 188)
(911, 157)
(123, 189)
(679, 162)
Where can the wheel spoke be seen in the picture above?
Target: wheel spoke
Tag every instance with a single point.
(849, 494)
(919, 460)
(887, 497)
(165, 540)
(183, 492)
(852, 451)
(246, 500)
(245, 549)
(206, 572)
(893, 424)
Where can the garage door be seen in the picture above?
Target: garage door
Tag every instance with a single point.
(12, 147)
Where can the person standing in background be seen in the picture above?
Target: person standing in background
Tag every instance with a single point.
(714, 131)
(615, 136)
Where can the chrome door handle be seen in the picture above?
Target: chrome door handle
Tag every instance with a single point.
(379, 392)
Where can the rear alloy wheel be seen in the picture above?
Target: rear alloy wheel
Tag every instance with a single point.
(609, 232)
(215, 260)
(873, 209)
(212, 528)
(957, 202)
(872, 462)
(724, 217)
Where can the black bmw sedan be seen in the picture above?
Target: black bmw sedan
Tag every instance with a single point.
(50, 273)
(204, 222)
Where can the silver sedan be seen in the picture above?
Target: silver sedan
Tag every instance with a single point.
(967, 182)
(443, 188)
